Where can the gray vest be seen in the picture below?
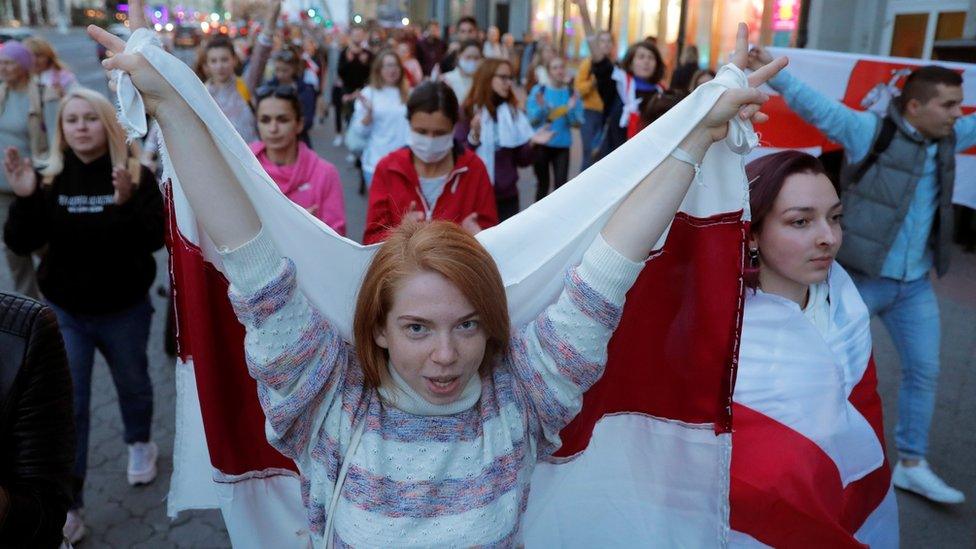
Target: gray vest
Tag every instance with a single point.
(875, 207)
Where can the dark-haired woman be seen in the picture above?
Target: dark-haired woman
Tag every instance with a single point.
(638, 79)
(304, 177)
(493, 124)
(433, 177)
(808, 447)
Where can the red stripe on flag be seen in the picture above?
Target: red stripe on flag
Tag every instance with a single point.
(786, 492)
(673, 354)
(208, 331)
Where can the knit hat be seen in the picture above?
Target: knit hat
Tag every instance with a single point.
(18, 53)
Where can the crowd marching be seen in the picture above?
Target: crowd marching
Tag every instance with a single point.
(438, 130)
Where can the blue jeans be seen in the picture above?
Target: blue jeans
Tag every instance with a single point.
(591, 132)
(910, 312)
(121, 338)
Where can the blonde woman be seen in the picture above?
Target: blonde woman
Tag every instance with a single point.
(101, 221)
(49, 69)
(379, 121)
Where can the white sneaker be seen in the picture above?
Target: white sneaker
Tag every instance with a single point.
(74, 527)
(337, 141)
(921, 480)
(142, 462)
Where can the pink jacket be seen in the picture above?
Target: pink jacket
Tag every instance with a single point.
(310, 182)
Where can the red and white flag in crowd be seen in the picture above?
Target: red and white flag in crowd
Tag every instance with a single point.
(863, 82)
(649, 458)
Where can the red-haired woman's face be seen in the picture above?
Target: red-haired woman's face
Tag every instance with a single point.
(800, 235)
(433, 336)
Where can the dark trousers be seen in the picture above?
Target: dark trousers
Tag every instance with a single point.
(121, 338)
(337, 108)
(558, 159)
(507, 207)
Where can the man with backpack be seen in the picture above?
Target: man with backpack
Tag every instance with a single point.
(897, 182)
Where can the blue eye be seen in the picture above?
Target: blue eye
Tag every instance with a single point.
(415, 329)
(468, 325)
(799, 223)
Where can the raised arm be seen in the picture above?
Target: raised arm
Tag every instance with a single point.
(221, 205)
(261, 51)
(644, 215)
(851, 128)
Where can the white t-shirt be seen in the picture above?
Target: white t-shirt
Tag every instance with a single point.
(432, 187)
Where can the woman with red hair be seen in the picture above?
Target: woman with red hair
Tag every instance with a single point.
(425, 429)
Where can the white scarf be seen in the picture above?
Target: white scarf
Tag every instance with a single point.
(511, 129)
(628, 94)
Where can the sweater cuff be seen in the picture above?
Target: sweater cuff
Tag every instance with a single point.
(607, 271)
(781, 81)
(252, 265)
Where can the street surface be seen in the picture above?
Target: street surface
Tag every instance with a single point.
(118, 515)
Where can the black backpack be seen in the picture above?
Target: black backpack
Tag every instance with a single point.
(833, 160)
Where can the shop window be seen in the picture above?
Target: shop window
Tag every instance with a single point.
(908, 37)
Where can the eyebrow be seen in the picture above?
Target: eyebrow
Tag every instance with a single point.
(806, 209)
(421, 319)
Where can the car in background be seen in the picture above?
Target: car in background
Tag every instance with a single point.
(14, 33)
(186, 36)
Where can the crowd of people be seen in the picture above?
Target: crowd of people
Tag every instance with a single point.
(438, 130)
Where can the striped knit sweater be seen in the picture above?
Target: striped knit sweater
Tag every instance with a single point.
(420, 480)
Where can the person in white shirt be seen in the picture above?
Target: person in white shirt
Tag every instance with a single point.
(379, 120)
(461, 77)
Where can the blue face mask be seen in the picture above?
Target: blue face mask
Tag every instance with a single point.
(468, 66)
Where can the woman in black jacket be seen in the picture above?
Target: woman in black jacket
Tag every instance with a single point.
(101, 221)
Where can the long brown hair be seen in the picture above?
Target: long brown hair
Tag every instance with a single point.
(376, 79)
(441, 247)
(482, 94)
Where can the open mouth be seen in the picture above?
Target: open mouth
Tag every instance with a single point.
(443, 385)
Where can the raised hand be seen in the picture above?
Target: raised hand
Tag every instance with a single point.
(476, 126)
(137, 16)
(19, 172)
(744, 103)
(368, 117)
(413, 214)
(542, 135)
(470, 224)
(154, 88)
(759, 57)
(122, 182)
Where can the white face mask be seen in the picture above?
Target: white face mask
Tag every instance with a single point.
(468, 66)
(430, 149)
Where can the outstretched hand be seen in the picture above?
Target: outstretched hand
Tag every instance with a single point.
(744, 103)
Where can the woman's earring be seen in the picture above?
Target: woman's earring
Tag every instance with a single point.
(754, 258)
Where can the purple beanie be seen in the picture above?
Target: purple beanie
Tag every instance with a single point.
(18, 53)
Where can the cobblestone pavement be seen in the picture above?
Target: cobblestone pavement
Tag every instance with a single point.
(122, 516)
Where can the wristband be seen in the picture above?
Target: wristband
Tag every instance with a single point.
(682, 155)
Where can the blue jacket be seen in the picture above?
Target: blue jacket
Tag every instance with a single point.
(560, 124)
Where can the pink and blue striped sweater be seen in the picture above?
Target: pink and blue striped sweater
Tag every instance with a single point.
(460, 479)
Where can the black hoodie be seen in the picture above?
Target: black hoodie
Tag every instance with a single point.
(99, 255)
